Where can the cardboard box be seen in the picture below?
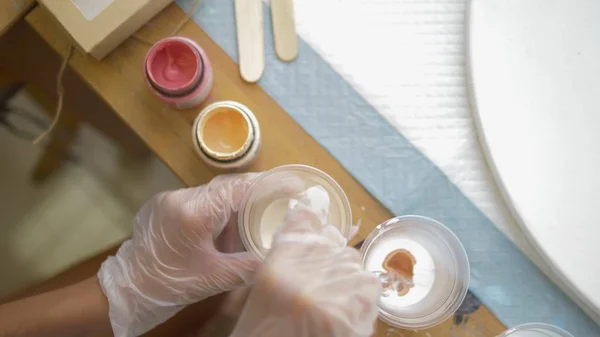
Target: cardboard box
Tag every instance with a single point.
(99, 26)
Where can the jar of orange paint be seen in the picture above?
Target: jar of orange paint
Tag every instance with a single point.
(226, 135)
(178, 71)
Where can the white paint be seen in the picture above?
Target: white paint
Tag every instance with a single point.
(314, 198)
(536, 92)
(90, 9)
(289, 182)
(271, 221)
(317, 200)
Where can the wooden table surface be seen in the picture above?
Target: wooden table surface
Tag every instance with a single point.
(119, 82)
(11, 11)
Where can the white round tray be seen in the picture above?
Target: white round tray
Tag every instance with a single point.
(535, 83)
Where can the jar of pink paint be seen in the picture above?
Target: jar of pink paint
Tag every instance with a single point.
(178, 72)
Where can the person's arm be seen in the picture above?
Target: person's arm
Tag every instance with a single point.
(171, 261)
(77, 310)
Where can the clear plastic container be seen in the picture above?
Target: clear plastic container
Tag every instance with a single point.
(439, 268)
(266, 204)
(535, 330)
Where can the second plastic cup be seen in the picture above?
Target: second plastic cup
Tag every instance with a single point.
(535, 330)
(435, 268)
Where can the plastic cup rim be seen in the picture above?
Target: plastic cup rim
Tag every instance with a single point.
(529, 326)
(455, 297)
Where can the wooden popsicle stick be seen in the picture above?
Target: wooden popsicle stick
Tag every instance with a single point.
(284, 29)
(250, 36)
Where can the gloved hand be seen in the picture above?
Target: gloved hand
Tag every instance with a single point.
(172, 259)
(310, 285)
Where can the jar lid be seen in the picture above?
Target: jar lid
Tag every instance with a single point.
(423, 267)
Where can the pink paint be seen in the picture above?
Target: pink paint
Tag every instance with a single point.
(179, 72)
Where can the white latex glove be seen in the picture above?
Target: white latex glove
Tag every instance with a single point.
(310, 285)
(172, 259)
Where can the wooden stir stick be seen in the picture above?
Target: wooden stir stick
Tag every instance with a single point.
(250, 37)
(284, 29)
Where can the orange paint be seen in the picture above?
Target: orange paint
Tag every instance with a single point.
(225, 131)
(401, 262)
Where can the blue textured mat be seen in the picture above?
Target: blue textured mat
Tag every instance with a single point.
(402, 178)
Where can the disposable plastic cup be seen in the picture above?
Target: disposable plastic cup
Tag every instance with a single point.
(535, 330)
(440, 271)
(265, 205)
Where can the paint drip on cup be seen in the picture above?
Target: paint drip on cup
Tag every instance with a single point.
(178, 71)
(226, 135)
